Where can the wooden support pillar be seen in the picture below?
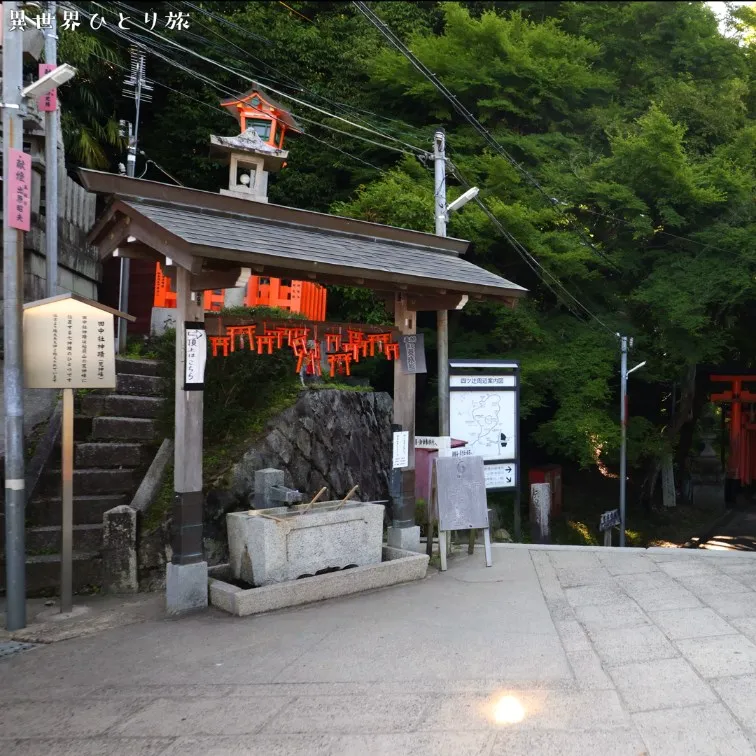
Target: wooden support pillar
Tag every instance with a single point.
(186, 579)
(404, 411)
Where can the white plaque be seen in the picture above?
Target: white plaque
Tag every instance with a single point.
(400, 456)
(196, 356)
(463, 381)
(432, 442)
(501, 475)
(68, 344)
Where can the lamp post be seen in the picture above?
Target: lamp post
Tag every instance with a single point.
(624, 373)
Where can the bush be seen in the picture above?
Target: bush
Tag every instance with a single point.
(237, 387)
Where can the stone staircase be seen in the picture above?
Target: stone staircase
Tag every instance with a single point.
(115, 441)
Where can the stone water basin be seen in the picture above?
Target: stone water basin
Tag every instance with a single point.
(286, 543)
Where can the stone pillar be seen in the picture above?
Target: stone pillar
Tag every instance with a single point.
(540, 512)
(264, 482)
(119, 553)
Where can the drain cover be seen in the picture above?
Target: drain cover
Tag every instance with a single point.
(8, 648)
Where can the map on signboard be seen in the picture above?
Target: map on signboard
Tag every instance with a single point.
(486, 420)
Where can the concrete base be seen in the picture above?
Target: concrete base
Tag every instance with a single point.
(407, 539)
(397, 567)
(185, 587)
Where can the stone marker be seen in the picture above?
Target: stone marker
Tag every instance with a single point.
(119, 553)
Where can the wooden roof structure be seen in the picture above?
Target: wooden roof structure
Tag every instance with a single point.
(215, 236)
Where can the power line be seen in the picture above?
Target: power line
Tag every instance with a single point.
(254, 82)
(297, 85)
(160, 168)
(397, 43)
(216, 109)
(531, 261)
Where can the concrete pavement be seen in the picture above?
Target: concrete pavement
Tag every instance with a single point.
(551, 651)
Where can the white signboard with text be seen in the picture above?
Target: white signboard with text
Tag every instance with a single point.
(68, 344)
(196, 356)
(484, 412)
(400, 454)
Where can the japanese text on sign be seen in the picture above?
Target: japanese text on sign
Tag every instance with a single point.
(609, 519)
(400, 454)
(196, 356)
(456, 381)
(19, 190)
(70, 344)
(48, 102)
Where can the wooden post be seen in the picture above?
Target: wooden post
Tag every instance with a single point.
(66, 522)
(404, 412)
(186, 582)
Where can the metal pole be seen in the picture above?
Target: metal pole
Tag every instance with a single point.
(13, 251)
(623, 432)
(442, 316)
(66, 549)
(123, 298)
(51, 166)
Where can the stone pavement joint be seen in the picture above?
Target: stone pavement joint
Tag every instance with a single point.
(550, 651)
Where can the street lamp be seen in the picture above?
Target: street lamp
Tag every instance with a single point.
(624, 373)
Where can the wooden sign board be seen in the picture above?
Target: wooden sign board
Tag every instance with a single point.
(69, 344)
(609, 520)
(461, 493)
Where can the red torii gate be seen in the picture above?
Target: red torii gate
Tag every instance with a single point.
(741, 463)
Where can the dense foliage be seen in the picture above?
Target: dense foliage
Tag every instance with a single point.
(631, 128)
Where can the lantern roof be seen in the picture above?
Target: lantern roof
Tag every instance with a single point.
(265, 104)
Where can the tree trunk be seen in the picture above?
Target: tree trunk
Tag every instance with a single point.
(685, 418)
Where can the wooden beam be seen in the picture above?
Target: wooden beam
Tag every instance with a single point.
(117, 234)
(137, 252)
(214, 279)
(404, 386)
(164, 244)
(429, 304)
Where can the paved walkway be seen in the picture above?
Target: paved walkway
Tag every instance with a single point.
(736, 532)
(548, 652)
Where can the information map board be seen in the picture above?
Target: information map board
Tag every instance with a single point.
(484, 408)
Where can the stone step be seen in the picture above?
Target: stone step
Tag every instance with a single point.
(82, 427)
(120, 405)
(87, 510)
(43, 573)
(92, 481)
(46, 539)
(123, 429)
(109, 454)
(139, 385)
(126, 366)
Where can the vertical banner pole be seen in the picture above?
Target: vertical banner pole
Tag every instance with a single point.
(66, 550)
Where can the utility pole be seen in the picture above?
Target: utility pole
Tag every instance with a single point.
(51, 164)
(136, 88)
(442, 316)
(623, 435)
(625, 344)
(13, 252)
